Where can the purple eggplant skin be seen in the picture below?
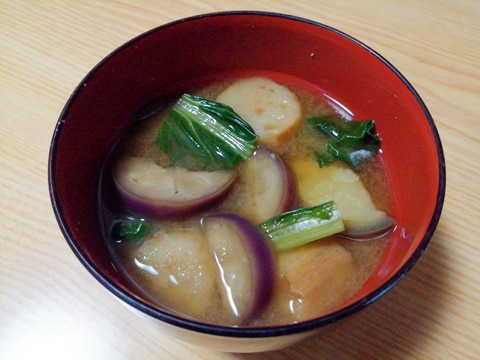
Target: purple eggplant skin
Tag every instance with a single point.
(289, 199)
(381, 229)
(152, 197)
(157, 210)
(271, 185)
(262, 260)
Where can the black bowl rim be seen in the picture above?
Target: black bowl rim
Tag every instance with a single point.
(260, 332)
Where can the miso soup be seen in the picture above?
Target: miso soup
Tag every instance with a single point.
(201, 252)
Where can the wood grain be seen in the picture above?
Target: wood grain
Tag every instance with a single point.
(50, 306)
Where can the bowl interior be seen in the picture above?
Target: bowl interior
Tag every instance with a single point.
(173, 58)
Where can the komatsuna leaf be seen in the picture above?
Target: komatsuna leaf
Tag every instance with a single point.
(203, 135)
(130, 228)
(349, 141)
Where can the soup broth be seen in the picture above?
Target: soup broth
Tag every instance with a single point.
(172, 268)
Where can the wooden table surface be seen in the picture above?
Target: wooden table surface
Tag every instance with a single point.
(52, 308)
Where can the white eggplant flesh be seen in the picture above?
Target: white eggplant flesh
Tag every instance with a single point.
(245, 265)
(152, 191)
(176, 268)
(269, 184)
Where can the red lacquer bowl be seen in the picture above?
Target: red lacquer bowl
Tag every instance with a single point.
(173, 57)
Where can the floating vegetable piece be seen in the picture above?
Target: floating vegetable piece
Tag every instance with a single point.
(375, 230)
(204, 135)
(302, 226)
(245, 265)
(269, 185)
(149, 190)
(130, 228)
(271, 109)
(351, 141)
(174, 267)
(340, 183)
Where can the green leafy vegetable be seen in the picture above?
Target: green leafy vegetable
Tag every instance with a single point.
(350, 141)
(204, 135)
(131, 228)
(302, 226)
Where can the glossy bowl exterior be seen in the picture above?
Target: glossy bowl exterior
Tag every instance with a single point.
(169, 60)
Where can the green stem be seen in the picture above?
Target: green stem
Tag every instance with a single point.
(302, 226)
